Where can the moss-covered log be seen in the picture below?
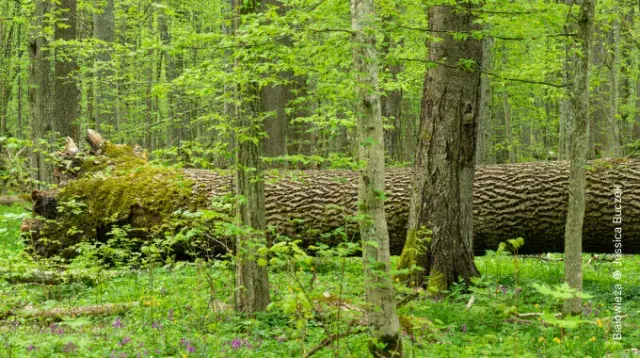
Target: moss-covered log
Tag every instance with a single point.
(526, 200)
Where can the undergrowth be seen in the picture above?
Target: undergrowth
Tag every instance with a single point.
(180, 309)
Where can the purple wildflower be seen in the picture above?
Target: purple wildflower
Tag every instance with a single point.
(124, 341)
(157, 325)
(503, 289)
(117, 323)
(190, 348)
(69, 348)
(236, 344)
(240, 343)
(30, 348)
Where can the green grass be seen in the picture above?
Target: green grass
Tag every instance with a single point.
(185, 309)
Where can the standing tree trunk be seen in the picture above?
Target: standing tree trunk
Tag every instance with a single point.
(484, 150)
(148, 99)
(252, 284)
(104, 30)
(274, 99)
(374, 233)
(441, 197)
(41, 99)
(67, 95)
(508, 136)
(614, 146)
(578, 155)
(566, 109)
(391, 101)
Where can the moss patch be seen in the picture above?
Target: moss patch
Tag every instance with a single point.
(119, 157)
(119, 188)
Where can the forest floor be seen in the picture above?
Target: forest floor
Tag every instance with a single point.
(186, 310)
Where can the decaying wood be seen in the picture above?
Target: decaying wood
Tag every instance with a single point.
(10, 200)
(36, 276)
(90, 310)
(527, 200)
(96, 141)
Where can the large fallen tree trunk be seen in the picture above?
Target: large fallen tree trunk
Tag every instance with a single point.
(529, 200)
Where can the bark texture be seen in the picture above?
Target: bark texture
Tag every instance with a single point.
(41, 92)
(526, 200)
(252, 287)
(484, 147)
(445, 160)
(67, 95)
(578, 156)
(383, 318)
(104, 30)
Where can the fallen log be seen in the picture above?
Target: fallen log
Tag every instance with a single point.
(529, 200)
(107, 309)
(13, 199)
(43, 277)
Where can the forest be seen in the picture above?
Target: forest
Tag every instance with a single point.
(328, 178)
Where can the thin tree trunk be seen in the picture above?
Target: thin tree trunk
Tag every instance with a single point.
(148, 99)
(67, 96)
(41, 99)
(614, 146)
(511, 145)
(252, 284)
(578, 155)
(104, 30)
(484, 150)
(566, 109)
(383, 319)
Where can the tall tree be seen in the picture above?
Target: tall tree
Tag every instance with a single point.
(614, 148)
(383, 319)
(67, 95)
(441, 196)
(41, 94)
(252, 285)
(578, 147)
(104, 30)
(274, 98)
(484, 150)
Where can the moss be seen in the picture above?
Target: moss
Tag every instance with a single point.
(119, 188)
(437, 283)
(118, 157)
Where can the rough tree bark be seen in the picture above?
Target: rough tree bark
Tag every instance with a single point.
(442, 190)
(41, 92)
(526, 200)
(252, 285)
(374, 234)
(578, 156)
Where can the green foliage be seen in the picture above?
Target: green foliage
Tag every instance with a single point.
(186, 308)
(14, 165)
